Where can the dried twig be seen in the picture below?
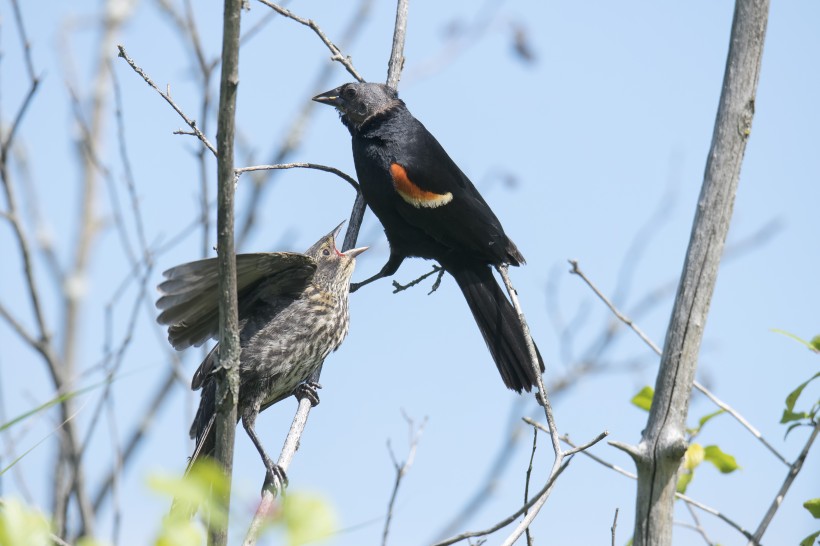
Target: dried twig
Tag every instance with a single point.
(344, 176)
(337, 54)
(167, 96)
(576, 270)
(401, 470)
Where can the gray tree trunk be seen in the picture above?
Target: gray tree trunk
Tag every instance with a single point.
(658, 455)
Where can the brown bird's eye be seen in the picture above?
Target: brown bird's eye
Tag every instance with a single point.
(348, 92)
(326, 252)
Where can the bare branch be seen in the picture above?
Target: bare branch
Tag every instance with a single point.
(344, 176)
(614, 526)
(576, 270)
(790, 477)
(401, 470)
(337, 54)
(167, 96)
(529, 474)
(398, 287)
(300, 418)
(506, 521)
(396, 62)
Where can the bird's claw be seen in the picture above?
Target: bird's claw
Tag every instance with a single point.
(308, 390)
(275, 479)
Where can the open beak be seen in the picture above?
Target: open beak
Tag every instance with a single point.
(329, 97)
(353, 252)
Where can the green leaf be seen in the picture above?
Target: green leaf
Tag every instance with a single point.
(693, 456)
(789, 416)
(705, 419)
(723, 461)
(180, 532)
(791, 399)
(50, 403)
(683, 481)
(813, 506)
(813, 345)
(644, 398)
(307, 517)
(23, 526)
(792, 427)
(809, 540)
(202, 487)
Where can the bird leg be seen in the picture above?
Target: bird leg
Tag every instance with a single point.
(392, 265)
(308, 390)
(275, 477)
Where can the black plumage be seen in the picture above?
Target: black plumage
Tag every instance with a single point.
(430, 209)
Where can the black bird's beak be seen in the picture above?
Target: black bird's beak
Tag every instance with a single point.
(330, 98)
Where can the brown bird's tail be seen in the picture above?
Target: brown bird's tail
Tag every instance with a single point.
(499, 324)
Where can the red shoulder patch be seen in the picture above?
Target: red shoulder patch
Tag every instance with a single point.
(414, 195)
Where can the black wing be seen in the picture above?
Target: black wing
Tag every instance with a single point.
(463, 222)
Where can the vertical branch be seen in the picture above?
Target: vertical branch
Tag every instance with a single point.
(352, 233)
(227, 389)
(394, 68)
(396, 62)
(659, 453)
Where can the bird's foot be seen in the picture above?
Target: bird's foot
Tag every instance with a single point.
(308, 390)
(275, 479)
(355, 286)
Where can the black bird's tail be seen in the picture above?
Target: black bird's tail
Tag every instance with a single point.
(499, 324)
(202, 429)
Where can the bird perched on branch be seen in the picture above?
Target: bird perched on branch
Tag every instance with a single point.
(430, 209)
(293, 312)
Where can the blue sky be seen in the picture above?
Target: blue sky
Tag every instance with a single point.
(602, 137)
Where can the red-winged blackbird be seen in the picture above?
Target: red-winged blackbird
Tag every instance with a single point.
(430, 209)
(292, 314)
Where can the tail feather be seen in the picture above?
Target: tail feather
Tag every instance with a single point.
(499, 324)
(202, 429)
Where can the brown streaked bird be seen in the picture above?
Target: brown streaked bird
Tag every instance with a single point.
(293, 312)
(430, 209)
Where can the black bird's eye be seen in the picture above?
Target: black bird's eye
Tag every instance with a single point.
(326, 252)
(349, 93)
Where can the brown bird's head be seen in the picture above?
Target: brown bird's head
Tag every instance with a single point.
(333, 268)
(358, 102)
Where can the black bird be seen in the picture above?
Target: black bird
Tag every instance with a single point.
(292, 313)
(430, 209)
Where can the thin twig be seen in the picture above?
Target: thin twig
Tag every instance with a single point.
(576, 270)
(401, 470)
(697, 525)
(511, 518)
(167, 96)
(687, 500)
(614, 526)
(787, 483)
(344, 176)
(295, 132)
(529, 474)
(398, 287)
(396, 62)
(337, 54)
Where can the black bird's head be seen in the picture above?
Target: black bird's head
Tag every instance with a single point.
(333, 268)
(358, 102)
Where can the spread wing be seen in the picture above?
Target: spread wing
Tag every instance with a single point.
(190, 293)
